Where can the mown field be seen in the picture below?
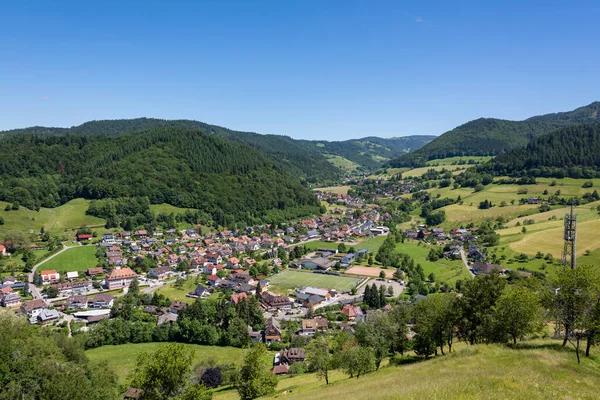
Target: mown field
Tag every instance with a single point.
(444, 270)
(297, 279)
(533, 370)
(334, 189)
(70, 215)
(174, 293)
(342, 163)
(451, 160)
(74, 259)
(122, 358)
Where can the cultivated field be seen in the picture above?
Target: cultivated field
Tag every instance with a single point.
(74, 259)
(298, 279)
(369, 271)
(551, 241)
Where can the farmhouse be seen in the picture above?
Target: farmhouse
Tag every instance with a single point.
(272, 331)
(311, 326)
(292, 355)
(120, 277)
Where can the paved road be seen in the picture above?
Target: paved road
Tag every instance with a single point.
(464, 259)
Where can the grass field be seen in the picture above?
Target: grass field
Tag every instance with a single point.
(417, 172)
(551, 241)
(167, 209)
(334, 189)
(534, 370)
(73, 259)
(444, 270)
(122, 358)
(298, 279)
(450, 160)
(70, 215)
(179, 294)
(342, 163)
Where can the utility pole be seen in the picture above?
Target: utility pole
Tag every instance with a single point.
(570, 237)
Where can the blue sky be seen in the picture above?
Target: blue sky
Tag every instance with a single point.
(308, 69)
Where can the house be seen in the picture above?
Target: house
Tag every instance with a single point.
(213, 280)
(102, 301)
(142, 233)
(311, 326)
(33, 308)
(177, 306)
(292, 355)
(108, 238)
(84, 236)
(280, 369)
(77, 302)
(160, 272)
(10, 299)
(214, 258)
(120, 277)
(313, 300)
(272, 302)
(49, 276)
(272, 332)
(133, 393)
(2, 250)
(94, 271)
(72, 275)
(237, 297)
(46, 316)
(233, 262)
(485, 268)
(352, 312)
(166, 317)
(200, 291)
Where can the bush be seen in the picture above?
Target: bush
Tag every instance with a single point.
(297, 368)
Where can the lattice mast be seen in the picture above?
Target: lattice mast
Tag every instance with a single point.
(570, 237)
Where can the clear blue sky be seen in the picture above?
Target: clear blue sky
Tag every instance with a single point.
(309, 69)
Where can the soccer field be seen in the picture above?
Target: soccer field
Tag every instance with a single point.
(297, 279)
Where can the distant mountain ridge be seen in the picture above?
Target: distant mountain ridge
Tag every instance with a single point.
(303, 158)
(490, 136)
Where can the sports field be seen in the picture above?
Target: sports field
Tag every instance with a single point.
(298, 279)
(369, 271)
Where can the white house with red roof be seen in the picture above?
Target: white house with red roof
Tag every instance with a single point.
(49, 276)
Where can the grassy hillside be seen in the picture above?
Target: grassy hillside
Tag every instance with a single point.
(534, 370)
(70, 215)
(490, 136)
(122, 358)
(370, 152)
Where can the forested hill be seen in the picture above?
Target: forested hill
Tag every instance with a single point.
(372, 152)
(489, 136)
(230, 181)
(572, 151)
(296, 157)
(302, 158)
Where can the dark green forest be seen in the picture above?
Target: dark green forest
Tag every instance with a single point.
(490, 136)
(230, 181)
(569, 152)
(296, 157)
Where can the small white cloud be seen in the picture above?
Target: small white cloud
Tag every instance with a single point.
(419, 20)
